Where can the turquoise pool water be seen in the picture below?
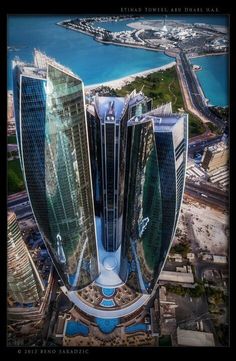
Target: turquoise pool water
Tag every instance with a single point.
(107, 303)
(107, 325)
(74, 328)
(71, 279)
(108, 292)
(135, 328)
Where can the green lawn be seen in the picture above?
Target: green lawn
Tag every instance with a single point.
(15, 177)
(11, 139)
(163, 87)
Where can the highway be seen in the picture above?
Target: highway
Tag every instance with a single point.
(207, 194)
(212, 196)
(23, 213)
(199, 145)
(206, 187)
(20, 205)
(195, 91)
(22, 210)
(18, 201)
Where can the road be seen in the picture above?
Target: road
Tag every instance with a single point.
(22, 211)
(207, 194)
(199, 145)
(208, 187)
(195, 91)
(12, 148)
(17, 201)
(17, 195)
(20, 204)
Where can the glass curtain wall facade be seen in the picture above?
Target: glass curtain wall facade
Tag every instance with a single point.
(68, 180)
(123, 166)
(107, 123)
(53, 142)
(24, 284)
(109, 119)
(155, 172)
(32, 144)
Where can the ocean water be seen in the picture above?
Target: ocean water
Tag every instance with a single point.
(214, 78)
(95, 62)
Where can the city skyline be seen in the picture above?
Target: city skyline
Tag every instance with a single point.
(119, 188)
(163, 138)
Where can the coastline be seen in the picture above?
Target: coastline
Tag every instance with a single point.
(205, 55)
(119, 83)
(202, 90)
(137, 46)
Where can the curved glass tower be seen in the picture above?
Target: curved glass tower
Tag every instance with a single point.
(105, 187)
(155, 173)
(24, 283)
(53, 143)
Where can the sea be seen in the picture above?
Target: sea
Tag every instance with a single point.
(95, 62)
(214, 78)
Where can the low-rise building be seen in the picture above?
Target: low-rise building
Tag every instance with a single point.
(215, 156)
(190, 257)
(180, 277)
(181, 269)
(60, 326)
(207, 257)
(219, 259)
(176, 257)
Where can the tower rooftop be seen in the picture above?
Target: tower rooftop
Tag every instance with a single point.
(110, 109)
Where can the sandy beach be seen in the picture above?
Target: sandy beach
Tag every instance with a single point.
(119, 83)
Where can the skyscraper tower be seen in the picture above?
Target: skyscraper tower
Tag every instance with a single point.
(155, 174)
(105, 185)
(107, 123)
(24, 283)
(53, 144)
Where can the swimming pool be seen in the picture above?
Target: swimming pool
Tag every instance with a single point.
(135, 328)
(107, 303)
(71, 279)
(107, 325)
(108, 292)
(74, 328)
